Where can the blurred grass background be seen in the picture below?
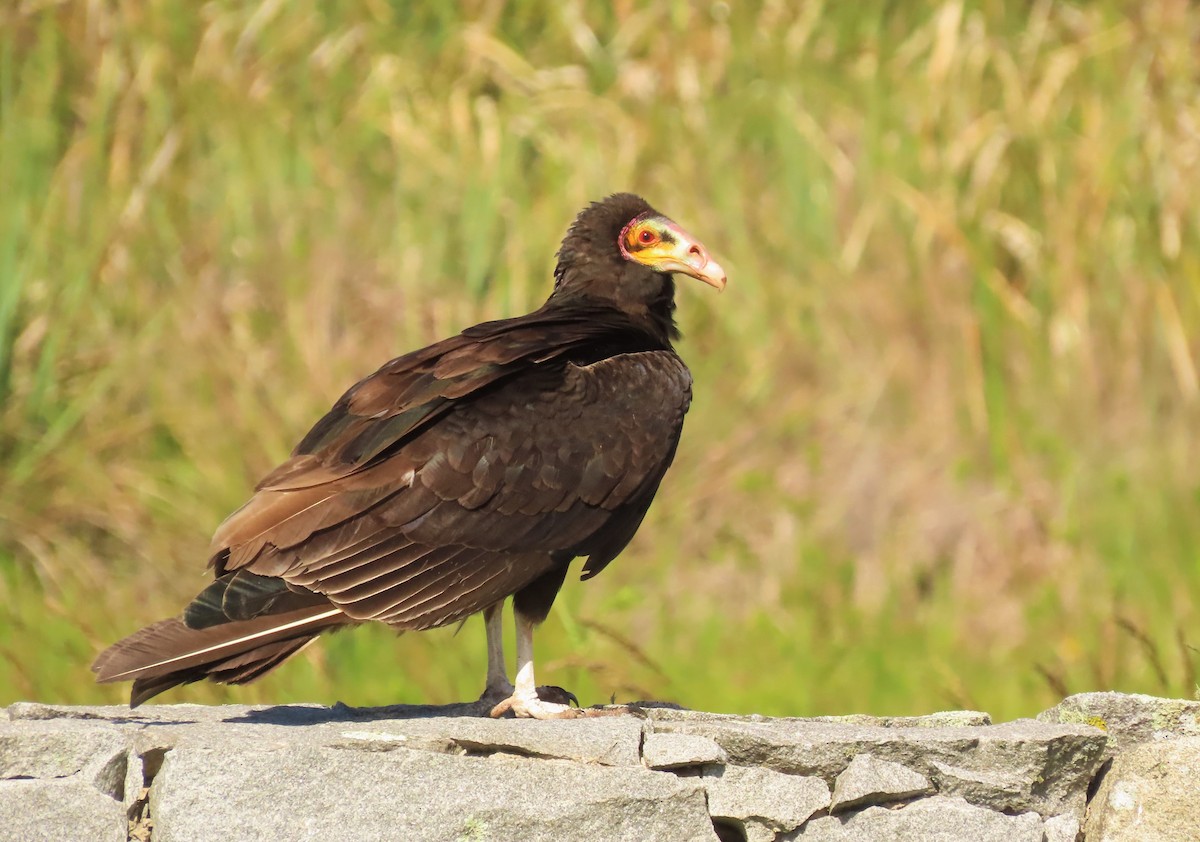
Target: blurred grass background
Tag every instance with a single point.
(943, 451)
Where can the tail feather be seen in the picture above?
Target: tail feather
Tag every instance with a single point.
(254, 665)
(169, 653)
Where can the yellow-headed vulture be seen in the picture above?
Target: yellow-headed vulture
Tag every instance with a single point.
(458, 475)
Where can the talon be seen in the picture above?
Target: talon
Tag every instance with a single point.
(557, 695)
(532, 707)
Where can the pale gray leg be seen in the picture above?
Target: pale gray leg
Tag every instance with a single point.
(524, 700)
(498, 685)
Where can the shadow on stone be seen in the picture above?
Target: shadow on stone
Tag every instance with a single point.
(36, 711)
(729, 831)
(309, 715)
(340, 712)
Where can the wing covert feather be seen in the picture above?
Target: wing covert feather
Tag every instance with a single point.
(421, 522)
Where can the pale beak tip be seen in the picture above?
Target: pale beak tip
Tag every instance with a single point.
(714, 276)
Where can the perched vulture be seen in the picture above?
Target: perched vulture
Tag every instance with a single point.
(458, 475)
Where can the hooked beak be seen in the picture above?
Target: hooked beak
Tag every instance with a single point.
(687, 256)
(659, 243)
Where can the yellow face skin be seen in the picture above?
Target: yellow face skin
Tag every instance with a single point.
(659, 243)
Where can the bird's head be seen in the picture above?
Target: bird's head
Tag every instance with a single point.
(655, 241)
(623, 247)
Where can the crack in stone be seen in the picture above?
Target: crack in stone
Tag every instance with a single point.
(141, 824)
(473, 748)
(1098, 779)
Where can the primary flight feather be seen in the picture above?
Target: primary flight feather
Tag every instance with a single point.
(458, 475)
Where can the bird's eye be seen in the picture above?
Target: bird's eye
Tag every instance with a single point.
(646, 236)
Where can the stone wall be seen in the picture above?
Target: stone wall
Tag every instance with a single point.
(1099, 766)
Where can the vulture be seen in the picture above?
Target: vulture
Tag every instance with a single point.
(458, 475)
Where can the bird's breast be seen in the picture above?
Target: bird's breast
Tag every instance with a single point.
(651, 383)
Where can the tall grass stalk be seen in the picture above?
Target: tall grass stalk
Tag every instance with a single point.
(943, 446)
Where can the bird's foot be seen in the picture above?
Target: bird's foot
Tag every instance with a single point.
(548, 702)
(496, 693)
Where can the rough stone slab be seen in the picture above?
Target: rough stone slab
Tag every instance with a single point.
(122, 715)
(609, 740)
(1055, 763)
(778, 801)
(996, 788)
(678, 751)
(943, 719)
(1128, 719)
(344, 763)
(937, 819)
(248, 791)
(868, 780)
(59, 810)
(61, 749)
(1061, 829)
(1151, 794)
(754, 831)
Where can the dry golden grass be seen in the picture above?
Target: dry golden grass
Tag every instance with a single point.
(943, 448)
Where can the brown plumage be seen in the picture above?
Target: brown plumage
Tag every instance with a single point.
(457, 475)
